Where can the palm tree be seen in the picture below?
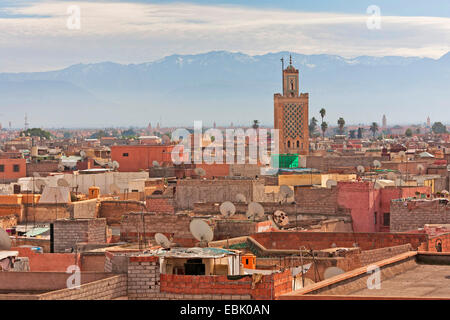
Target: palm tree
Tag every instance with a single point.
(374, 128)
(341, 124)
(255, 124)
(324, 127)
(323, 112)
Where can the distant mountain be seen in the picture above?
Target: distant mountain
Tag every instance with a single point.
(228, 87)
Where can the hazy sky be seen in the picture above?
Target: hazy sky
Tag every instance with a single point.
(34, 35)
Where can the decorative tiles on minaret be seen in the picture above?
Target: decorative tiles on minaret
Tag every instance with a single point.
(291, 113)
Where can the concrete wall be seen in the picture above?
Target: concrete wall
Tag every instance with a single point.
(113, 210)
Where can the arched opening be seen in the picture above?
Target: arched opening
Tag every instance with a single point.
(289, 144)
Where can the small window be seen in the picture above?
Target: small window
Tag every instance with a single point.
(16, 168)
(125, 154)
(298, 144)
(289, 144)
(246, 261)
(387, 219)
(2, 168)
(375, 218)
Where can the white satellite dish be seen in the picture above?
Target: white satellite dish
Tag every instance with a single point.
(61, 167)
(200, 172)
(162, 240)
(62, 183)
(255, 211)
(110, 165)
(83, 154)
(155, 163)
(115, 165)
(114, 189)
(360, 169)
(448, 167)
(40, 184)
(201, 230)
(420, 168)
(376, 164)
(240, 198)
(5, 241)
(227, 209)
(332, 272)
(331, 183)
(280, 218)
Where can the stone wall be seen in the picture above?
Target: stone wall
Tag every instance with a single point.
(113, 210)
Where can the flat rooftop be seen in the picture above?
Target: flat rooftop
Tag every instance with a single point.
(421, 281)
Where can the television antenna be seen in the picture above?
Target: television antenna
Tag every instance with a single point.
(286, 192)
(5, 241)
(162, 241)
(227, 209)
(280, 218)
(240, 198)
(255, 211)
(201, 231)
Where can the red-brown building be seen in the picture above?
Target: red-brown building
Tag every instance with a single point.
(12, 169)
(141, 157)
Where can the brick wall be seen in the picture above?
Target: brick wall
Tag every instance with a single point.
(410, 215)
(316, 200)
(172, 225)
(143, 278)
(113, 210)
(160, 204)
(288, 240)
(329, 163)
(371, 256)
(67, 233)
(54, 262)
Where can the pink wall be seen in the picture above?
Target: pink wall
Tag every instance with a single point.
(55, 262)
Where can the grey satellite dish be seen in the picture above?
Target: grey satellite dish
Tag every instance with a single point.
(332, 272)
(240, 198)
(162, 240)
(360, 169)
(155, 163)
(376, 164)
(62, 183)
(391, 176)
(280, 218)
(200, 172)
(201, 230)
(331, 183)
(286, 192)
(227, 209)
(114, 189)
(5, 241)
(115, 165)
(255, 211)
(40, 184)
(83, 154)
(61, 167)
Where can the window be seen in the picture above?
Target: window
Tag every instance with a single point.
(289, 144)
(125, 154)
(375, 218)
(298, 144)
(16, 168)
(2, 168)
(387, 219)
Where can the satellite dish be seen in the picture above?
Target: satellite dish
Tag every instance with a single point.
(83, 154)
(360, 169)
(420, 168)
(391, 176)
(40, 184)
(162, 240)
(61, 167)
(110, 165)
(115, 165)
(5, 241)
(286, 191)
(331, 183)
(200, 172)
(280, 218)
(155, 163)
(201, 230)
(240, 198)
(227, 209)
(114, 189)
(332, 272)
(62, 183)
(376, 163)
(255, 211)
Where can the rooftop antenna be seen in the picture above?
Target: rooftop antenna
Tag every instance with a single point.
(5, 241)
(162, 241)
(255, 210)
(201, 231)
(227, 209)
(280, 218)
(286, 192)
